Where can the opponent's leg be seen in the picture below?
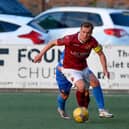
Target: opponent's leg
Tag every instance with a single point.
(64, 88)
(61, 101)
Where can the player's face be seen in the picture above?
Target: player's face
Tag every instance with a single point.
(85, 34)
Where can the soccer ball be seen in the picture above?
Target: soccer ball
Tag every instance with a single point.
(80, 114)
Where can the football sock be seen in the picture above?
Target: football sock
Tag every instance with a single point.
(80, 98)
(61, 102)
(98, 95)
(86, 99)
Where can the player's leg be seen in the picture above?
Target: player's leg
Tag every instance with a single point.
(82, 91)
(97, 93)
(83, 97)
(61, 101)
(75, 77)
(64, 90)
(87, 94)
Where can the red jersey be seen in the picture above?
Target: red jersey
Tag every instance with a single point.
(76, 52)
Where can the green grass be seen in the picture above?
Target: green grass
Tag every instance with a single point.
(38, 111)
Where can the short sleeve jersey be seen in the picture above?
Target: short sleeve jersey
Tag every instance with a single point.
(76, 52)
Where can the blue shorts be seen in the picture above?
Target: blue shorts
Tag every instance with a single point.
(63, 84)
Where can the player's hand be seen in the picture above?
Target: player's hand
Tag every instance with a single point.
(38, 58)
(107, 74)
(60, 68)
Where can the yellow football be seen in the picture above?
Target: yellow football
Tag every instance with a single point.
(80, 114)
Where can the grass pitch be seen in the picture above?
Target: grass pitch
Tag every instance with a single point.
(39, 111)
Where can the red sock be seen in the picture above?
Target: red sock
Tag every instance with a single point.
(86, 99)
(80, 98)
(83, 98)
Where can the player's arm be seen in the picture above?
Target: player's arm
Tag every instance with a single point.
(103, 60)
(38, 57)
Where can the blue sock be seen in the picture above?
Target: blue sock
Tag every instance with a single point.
(61, 102)
(98, 95)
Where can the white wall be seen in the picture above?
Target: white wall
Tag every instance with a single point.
(18, 70)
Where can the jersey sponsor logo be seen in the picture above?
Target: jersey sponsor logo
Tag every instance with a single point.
(79, 54)
(76, 45)
(87, 47)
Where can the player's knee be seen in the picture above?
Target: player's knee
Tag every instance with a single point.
(81, 90)
(64, 96)
(80, 85)
(94, 83)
